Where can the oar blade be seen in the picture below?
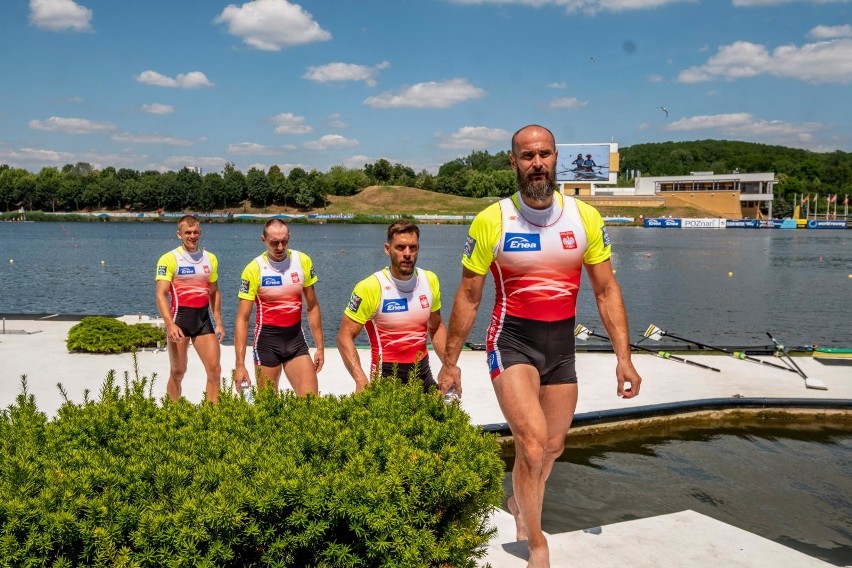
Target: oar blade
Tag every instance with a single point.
(654, 333)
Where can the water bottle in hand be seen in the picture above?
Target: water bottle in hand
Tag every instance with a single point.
(451, 395)
(245, 388)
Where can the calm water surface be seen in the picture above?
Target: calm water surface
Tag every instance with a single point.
(795, 284)
(789, 485)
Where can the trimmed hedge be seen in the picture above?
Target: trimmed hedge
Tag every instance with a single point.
(98, 334)
(387, 477)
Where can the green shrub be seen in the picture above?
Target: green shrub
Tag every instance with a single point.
(108, 335)
(388, 477)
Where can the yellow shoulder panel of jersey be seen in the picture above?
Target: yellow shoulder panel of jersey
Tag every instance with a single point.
(434, 285)
(214, 270)
(482, 239)
(308, 268)
(166, 267)
(599, 249)
(249, 281)
(364, 300)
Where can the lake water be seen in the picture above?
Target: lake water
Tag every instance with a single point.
(790, 485)
(723, 287)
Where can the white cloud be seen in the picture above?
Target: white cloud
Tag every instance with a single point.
(830, 32)
(334, 121)
(750, 3)
(821, 62)
(587, 6)
(332, 72)
(330, 142)
(206, 163)
(427, 95)
(567, 102)
(744, 125)
(252, 149)
(289, 123)
(71, 125)
(151, 139)
(58, 15)
(191, 80)
(475, 138)
(356, 161)
(271, 25)
(157, 108)
(561, 85)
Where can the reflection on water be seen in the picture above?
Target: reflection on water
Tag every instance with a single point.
(792, 486)
(724, 287)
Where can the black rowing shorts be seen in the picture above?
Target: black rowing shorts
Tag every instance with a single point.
(275, 345)
(547, 346)
(194, 321)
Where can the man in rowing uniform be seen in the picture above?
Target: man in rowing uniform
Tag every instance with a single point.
(186, 289)
(400, 307)
(535, 244)
(277, 282)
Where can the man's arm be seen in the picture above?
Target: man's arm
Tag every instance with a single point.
(315, 323)
(437, 333)
(462, 318)
(216, 304)
(614, 318)
(349, 330)
(173, 332)
(240, 339)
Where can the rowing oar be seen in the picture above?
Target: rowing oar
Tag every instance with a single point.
(654, 333)
(582, 333)
(781, 351)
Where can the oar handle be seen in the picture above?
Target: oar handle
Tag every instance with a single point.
(661, 354)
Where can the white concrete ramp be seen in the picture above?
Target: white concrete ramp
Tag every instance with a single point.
(680, 540)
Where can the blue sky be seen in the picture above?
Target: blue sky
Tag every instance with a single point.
(163, 84)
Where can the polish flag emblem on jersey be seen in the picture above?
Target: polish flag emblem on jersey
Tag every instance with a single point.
(424, 303)
(568, 240)
(206, 269)
(294, 276)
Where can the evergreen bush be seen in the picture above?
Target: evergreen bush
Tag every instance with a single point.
(99, 334)
(388, 477)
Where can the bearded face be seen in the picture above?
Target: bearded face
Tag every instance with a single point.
(539, 189)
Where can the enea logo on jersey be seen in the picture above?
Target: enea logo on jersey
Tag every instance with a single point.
(568, 240)
(521, 242)
(184, 270)
(271, 281)
(469, 245)
(394, 306)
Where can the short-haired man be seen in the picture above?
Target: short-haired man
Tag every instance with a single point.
(278, 282)
(535, 243)
(187, 287)
(399, 306)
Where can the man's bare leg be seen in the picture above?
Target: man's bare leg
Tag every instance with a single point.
(517, 390)
(268, 377)
(558, 402)
(208, 350)
(302, 375)
(177, 366)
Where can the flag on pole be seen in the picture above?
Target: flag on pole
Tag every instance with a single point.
(833, 199)
(806, 198)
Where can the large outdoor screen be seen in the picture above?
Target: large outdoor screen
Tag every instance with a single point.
(586, 162)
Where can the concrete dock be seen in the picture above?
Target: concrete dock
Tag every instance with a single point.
(36, 348)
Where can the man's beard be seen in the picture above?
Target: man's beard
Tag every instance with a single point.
(538, 190)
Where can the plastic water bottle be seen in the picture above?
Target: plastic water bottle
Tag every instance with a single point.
(451, 396)
(245, 388)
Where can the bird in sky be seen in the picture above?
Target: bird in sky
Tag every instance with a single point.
(665, 110)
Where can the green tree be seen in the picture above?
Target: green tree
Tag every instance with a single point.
(212, 192)
(236, 190)
(344, 181)
(258, 187)
(380, 172)
(48, 187)
(279, 185)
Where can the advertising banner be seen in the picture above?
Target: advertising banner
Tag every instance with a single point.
(741, 224)
(662, 223)
(702, 223)
(817, 224)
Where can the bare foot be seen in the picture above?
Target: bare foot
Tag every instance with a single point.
(520, 525)
(539, 557)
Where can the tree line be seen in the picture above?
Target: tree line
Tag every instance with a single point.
(480, 174)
